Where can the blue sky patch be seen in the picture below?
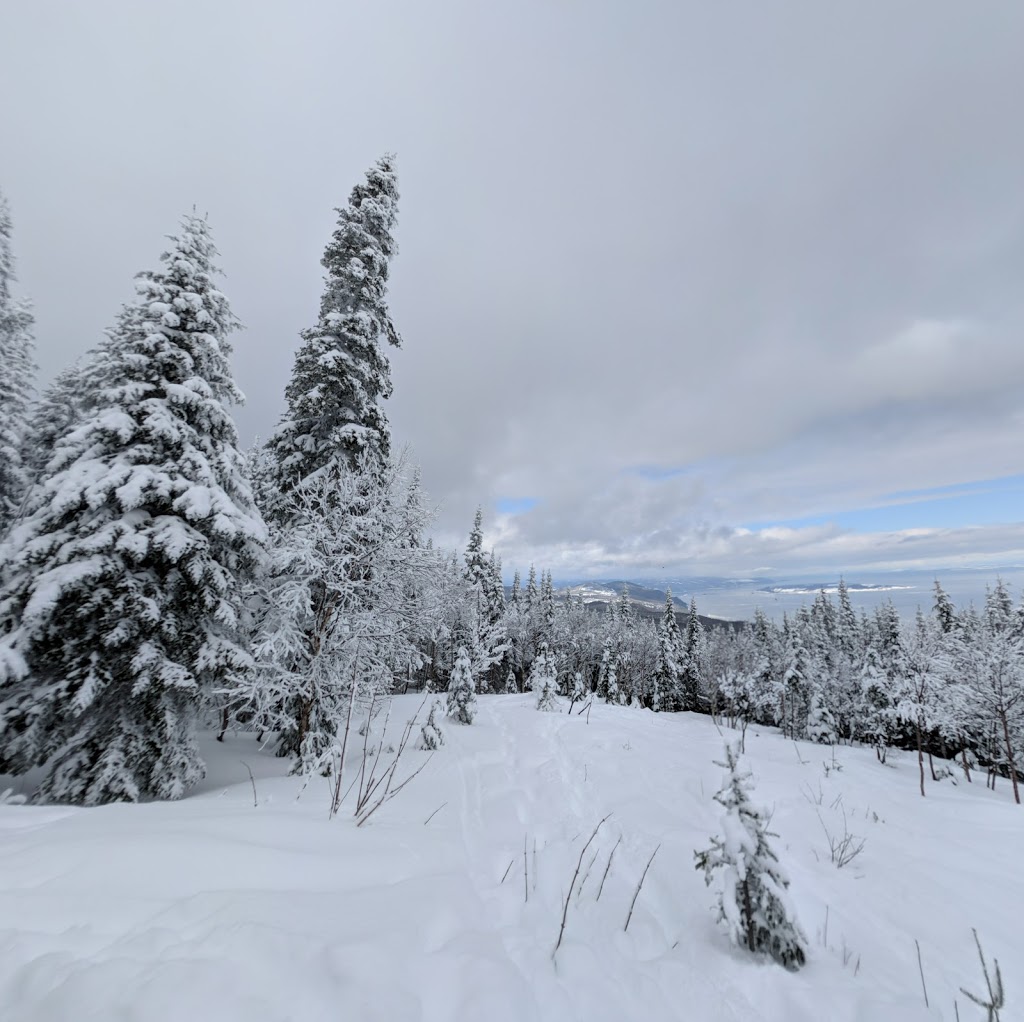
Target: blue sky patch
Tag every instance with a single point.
(979, 502)
(514, 505)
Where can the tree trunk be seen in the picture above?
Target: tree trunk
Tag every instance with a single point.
(305, 706)
(967, 768)
(748, 912)
(920, 758)
(931, 765)
(1009, 756)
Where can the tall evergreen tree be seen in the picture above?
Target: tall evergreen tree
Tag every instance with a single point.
(17, 373)
(945, 612)
(847, 631)
(120, 609)
(532, 592)
(477, 568)
(341, 372)
(334, 425)
(670, 696)
(694, 658)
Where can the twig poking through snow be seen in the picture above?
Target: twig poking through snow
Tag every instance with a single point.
(572, 884)
(920, 969)
(434, 813)
(252, 779)
(526, 874)
(606, 869)
(996, 996)
(638, 886)
(511, 863)
(590, 866)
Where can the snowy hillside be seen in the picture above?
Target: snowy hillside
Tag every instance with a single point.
(213, 908)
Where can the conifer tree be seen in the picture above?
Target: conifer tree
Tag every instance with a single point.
(821, 724)
(876, 713)
(341, 372)
(514, 596)
(17, 373)
(462, 690)
(121, 607)
(694, 658)
(945, 612)
(334, 425)
(477, 569)
(532, 593)
(547, 596)
(753, 901)
(543, 680)
(667, 677)
(795, 690)
(847, 631)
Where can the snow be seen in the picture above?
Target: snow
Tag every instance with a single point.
(213, 908)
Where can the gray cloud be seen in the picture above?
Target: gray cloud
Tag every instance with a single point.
(778, 247)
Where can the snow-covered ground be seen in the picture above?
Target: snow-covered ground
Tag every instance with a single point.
(213, 908)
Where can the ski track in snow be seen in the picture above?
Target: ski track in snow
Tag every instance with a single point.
(211, 908)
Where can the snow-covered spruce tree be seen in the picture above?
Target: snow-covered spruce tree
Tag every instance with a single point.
(693, 666)
(120, 608)
(478, 568)
(341, 372)
(821, 724)
(485, 632)
(544, 681)
(334, 423)
(670, 696)
(17, 375)
(753, 901)
(462, 690)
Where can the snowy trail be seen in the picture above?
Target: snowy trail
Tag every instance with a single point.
(214, 908)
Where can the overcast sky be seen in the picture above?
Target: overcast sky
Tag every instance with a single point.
(685, 287)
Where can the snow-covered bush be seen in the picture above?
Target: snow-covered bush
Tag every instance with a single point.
(579, 688)
(752, 900)
(821, 724)
(431, 734)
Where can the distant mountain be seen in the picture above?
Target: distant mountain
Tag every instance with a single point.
(647, 601)
(830, 587)
(605, 591)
